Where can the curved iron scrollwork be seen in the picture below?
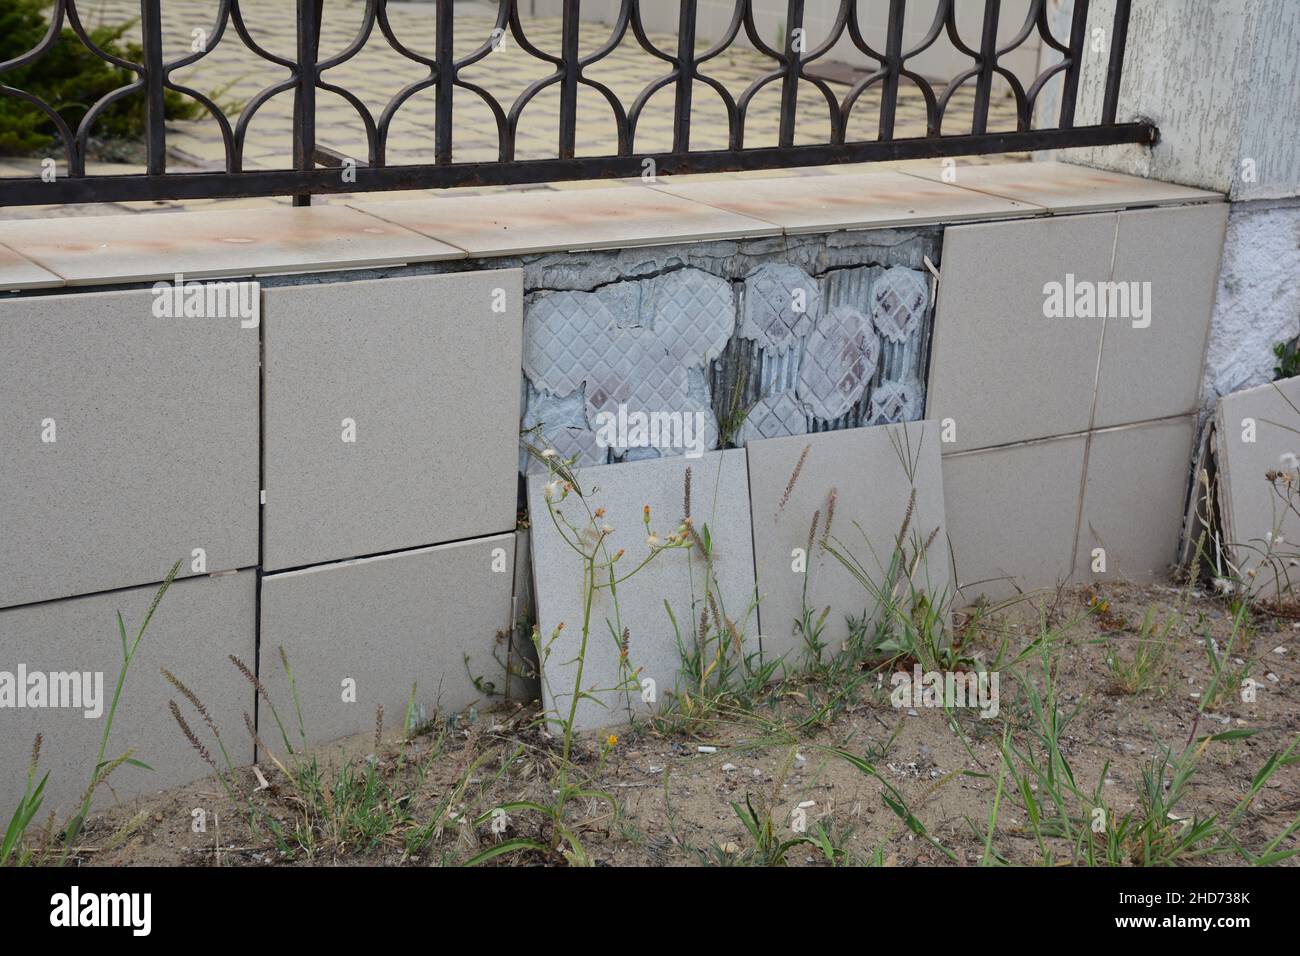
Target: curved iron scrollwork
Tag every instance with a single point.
(569, 70)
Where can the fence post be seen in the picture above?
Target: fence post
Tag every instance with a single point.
(794, 47)
(155, 103)
(685, 76)
(1118, 38)
(304, 98)
(569, 79)
(1078, 39)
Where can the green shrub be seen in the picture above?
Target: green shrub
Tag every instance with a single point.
(70, 79)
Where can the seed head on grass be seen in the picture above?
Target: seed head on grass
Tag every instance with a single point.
(794, 476)
(907, 517)
(192, 737)
(812, 531)
(379, 726)
(193, 699)
(830, 515)
(252, 678)
(686, 495)
(36, 754)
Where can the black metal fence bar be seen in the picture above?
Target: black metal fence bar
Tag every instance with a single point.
(794, 70)
(1118, 42)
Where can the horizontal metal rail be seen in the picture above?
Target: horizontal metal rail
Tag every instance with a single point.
(314, 167)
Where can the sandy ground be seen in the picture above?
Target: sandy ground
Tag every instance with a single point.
(675, 799)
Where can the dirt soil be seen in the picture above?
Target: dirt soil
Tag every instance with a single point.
(675, 794)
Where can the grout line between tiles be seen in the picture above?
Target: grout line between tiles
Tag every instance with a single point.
(126, 587)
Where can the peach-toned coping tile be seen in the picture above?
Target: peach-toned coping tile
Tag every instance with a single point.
(143, 247)
(564, 220)
(1063, 187)
(19, 273)
(862, 201)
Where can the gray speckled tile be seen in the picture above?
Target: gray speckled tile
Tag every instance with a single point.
(425, 369)
(432, 617)
(719, 499)
(154, 428)
(865, 470)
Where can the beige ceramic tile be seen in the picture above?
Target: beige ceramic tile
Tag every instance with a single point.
(1136, 486)
(800, 204)
(1001, 369)
(559, 220)
(203, 244)
(870, 473)
(1012, 514)
(1254, 429)
(1062, 187)
(1167, 267)
(18, 273)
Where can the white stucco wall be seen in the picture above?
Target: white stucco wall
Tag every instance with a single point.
(1258, 303)
(1221, 78)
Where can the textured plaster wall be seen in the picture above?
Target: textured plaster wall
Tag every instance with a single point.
(1221, 78)
(1258, 302)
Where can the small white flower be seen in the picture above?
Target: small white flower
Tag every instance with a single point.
(549, 453)
(1223, 585)
(551, 490)
(653, 540)
(607, 528)
(1289, 461)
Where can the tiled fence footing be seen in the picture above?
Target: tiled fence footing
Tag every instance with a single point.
(389, 559)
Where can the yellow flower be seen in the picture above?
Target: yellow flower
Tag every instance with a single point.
(612, 740)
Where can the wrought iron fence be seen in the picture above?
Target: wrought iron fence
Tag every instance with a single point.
(315, 166)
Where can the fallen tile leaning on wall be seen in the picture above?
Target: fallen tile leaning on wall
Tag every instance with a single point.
(822, 503)
(634, 639)
(1250, 516)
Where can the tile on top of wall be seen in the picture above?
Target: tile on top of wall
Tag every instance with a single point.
(859, 481)
(104, 249)
(801, 204)
(1064, 187)
(18, 273)
(719, 499)
(1001, 368)
(560, 220)
(391, 414)
(359, 634)
(130, 441)
(1254, 428)
(197, 624)
(1012, 514)
(1133, 501)
(1153, 351)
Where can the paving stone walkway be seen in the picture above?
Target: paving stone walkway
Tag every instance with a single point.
(232, 74)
